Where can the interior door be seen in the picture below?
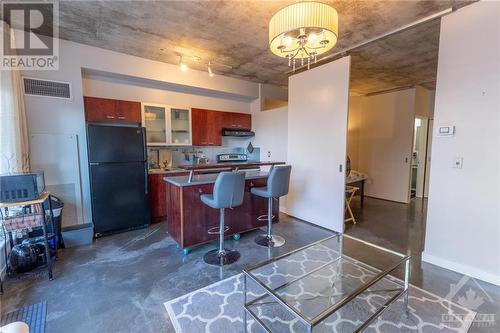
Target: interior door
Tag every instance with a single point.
(317, 135)
(386, 143)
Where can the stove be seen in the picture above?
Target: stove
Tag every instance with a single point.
(231, 158)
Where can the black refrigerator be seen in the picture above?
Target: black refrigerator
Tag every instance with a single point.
(118, 178)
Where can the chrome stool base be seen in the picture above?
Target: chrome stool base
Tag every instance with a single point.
(270, 241)
(221, 258)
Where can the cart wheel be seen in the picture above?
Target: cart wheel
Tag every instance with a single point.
(186, 251)
(236, 237)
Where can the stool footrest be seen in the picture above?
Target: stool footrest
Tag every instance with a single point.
(216, 230)
(264, 217)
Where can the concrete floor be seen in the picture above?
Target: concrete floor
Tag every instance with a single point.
(119, 283)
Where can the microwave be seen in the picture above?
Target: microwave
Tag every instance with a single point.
(24, 186)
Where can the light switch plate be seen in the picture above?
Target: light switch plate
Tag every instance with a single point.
(458, 162)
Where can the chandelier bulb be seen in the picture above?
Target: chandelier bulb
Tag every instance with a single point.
(293, 65)
(308, 63)
(302, 61)
(289, 61)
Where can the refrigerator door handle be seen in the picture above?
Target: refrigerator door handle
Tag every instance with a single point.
(145, 145)
(146, 178)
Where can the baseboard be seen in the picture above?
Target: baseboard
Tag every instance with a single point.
(461, 268)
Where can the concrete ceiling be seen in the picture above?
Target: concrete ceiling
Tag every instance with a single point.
(404, 59)
(235, 33)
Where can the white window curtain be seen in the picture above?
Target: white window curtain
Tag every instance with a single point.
(14, 147)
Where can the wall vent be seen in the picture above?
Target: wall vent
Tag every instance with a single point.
(47, 88)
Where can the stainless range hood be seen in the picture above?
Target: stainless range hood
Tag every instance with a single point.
(237, 132)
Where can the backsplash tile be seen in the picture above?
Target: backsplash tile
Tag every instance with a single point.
(175, 156)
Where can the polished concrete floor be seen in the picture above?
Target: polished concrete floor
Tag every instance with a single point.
(119, 283)
(401, 227)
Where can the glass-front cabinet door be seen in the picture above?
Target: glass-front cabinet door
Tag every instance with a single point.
(154, 118)
(166, 125)
(180, 126)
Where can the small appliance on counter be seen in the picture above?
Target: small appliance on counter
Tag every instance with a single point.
(23, 186)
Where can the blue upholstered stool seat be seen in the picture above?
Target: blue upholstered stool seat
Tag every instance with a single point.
(208, 199)
(260, 191)
(228, 192)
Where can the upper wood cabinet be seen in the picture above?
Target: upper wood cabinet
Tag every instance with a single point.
(237, 120)
(106, 109)
(208, 125)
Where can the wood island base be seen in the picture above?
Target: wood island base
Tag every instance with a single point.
(188, 219)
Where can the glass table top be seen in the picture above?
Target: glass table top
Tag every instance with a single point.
(319, 279)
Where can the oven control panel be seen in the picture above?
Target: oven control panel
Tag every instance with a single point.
(231, 158)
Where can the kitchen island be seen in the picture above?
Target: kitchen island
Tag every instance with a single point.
(188, 219)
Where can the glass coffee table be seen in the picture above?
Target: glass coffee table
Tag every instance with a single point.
(320, 287)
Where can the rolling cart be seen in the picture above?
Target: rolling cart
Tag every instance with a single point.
(32, 216)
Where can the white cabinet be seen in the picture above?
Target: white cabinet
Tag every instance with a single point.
(166, 125)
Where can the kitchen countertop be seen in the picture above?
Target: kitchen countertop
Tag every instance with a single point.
(164, 172)
(209, 179)
(228, 165)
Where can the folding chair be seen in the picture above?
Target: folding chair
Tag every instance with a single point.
(350, 191)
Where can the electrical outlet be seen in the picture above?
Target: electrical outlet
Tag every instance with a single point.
(458, 162)
(269, 154)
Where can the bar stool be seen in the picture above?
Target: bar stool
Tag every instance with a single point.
(277, 186)
(228, 193)
(350, 191)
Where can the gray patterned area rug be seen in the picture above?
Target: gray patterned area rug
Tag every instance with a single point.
(218, 308)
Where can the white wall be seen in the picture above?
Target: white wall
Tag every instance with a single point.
(353, 129)
(463, 220)
(58, 116)
(424, 102)
(317, 135)
(385, 142)
(271, 128)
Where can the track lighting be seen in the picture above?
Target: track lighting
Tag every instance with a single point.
(183, 65)
(210, 73)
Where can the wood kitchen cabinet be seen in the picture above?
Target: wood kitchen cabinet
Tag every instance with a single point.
(207, 127)
(106, 109)
(208, 124)
(157, 190)
(237, 120)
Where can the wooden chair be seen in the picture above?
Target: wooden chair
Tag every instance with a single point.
(350, 191)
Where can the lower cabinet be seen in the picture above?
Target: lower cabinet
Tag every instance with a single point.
(157, 189)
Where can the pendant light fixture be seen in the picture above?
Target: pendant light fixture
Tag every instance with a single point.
(302, 31)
